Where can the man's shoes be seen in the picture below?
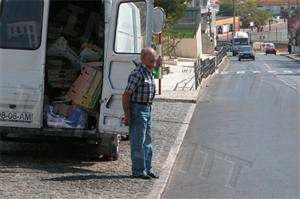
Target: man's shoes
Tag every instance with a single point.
(143, 176)
(152, 175)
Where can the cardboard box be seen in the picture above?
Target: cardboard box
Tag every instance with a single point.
(86, 88)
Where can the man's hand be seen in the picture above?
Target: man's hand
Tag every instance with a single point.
(126, 120)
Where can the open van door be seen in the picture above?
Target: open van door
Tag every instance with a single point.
(126, 34)
(22, 59)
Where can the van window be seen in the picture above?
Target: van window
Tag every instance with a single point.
(131, 27)
(21, 24)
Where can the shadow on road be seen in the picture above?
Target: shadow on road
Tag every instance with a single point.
(51, 158)
(88, 177)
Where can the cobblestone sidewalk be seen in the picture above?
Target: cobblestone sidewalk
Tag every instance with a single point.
(56, 171)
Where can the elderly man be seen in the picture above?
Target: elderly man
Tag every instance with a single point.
(137, 100)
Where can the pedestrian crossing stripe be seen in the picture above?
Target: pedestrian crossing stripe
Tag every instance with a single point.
(256, 72)
(287, 71)
(224, 72)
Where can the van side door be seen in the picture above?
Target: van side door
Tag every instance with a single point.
(126, 34)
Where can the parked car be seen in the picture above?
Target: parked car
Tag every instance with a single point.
(246, 52)
(270, 48)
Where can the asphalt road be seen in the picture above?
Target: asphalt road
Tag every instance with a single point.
(244, 138)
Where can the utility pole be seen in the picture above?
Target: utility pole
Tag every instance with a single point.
(233, 25)
(233, 7)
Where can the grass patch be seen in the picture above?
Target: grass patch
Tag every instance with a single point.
(183, 32)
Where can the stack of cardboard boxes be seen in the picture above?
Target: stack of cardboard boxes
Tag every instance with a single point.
(86, 90)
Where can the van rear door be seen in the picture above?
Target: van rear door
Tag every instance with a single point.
(22, 59)
(126, 27)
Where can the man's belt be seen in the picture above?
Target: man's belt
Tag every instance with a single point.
(143, 103)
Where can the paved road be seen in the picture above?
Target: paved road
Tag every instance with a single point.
(244, 139)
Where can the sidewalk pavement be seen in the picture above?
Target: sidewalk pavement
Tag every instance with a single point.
(179, 84)
(26, 177)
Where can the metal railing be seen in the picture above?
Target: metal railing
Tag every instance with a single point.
(206, 67)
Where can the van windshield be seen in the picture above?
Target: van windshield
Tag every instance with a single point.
(240, 41)
(246, 49)
(21, 24)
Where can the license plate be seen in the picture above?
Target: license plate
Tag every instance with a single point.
(16, 116)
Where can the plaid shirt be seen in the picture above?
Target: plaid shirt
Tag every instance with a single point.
(141, 84)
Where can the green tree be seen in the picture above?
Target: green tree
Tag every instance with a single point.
(226, 8)
(248, 10)
(174, 9)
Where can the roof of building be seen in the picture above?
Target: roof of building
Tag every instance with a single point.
(226, 20)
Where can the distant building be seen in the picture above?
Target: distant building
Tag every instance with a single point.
(191, 18)
(278, 2)
(277, 6)
(294, 27)
(200, 17)
(225, 24)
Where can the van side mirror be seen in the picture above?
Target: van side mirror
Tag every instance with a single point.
(159, 18)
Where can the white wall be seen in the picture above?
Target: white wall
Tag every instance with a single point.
(187, 48)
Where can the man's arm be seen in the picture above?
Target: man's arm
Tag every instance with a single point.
(126, 106)
(133, 81)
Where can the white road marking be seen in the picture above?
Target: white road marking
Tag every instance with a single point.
(256, 71)
(271, 71)
(240, 72)
(224, 72)
(288, 71)
(288, 84)
(268, 66)
(282, 80)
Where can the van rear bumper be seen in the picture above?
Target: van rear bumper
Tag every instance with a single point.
(49, 135)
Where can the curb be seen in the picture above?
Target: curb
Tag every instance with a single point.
(161, 183)
(165, 173)
(192, 101)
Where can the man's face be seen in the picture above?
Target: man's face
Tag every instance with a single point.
(150, 59)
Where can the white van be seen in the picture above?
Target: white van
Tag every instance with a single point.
(64, 65)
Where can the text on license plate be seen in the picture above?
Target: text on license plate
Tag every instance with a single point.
(16, 116)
